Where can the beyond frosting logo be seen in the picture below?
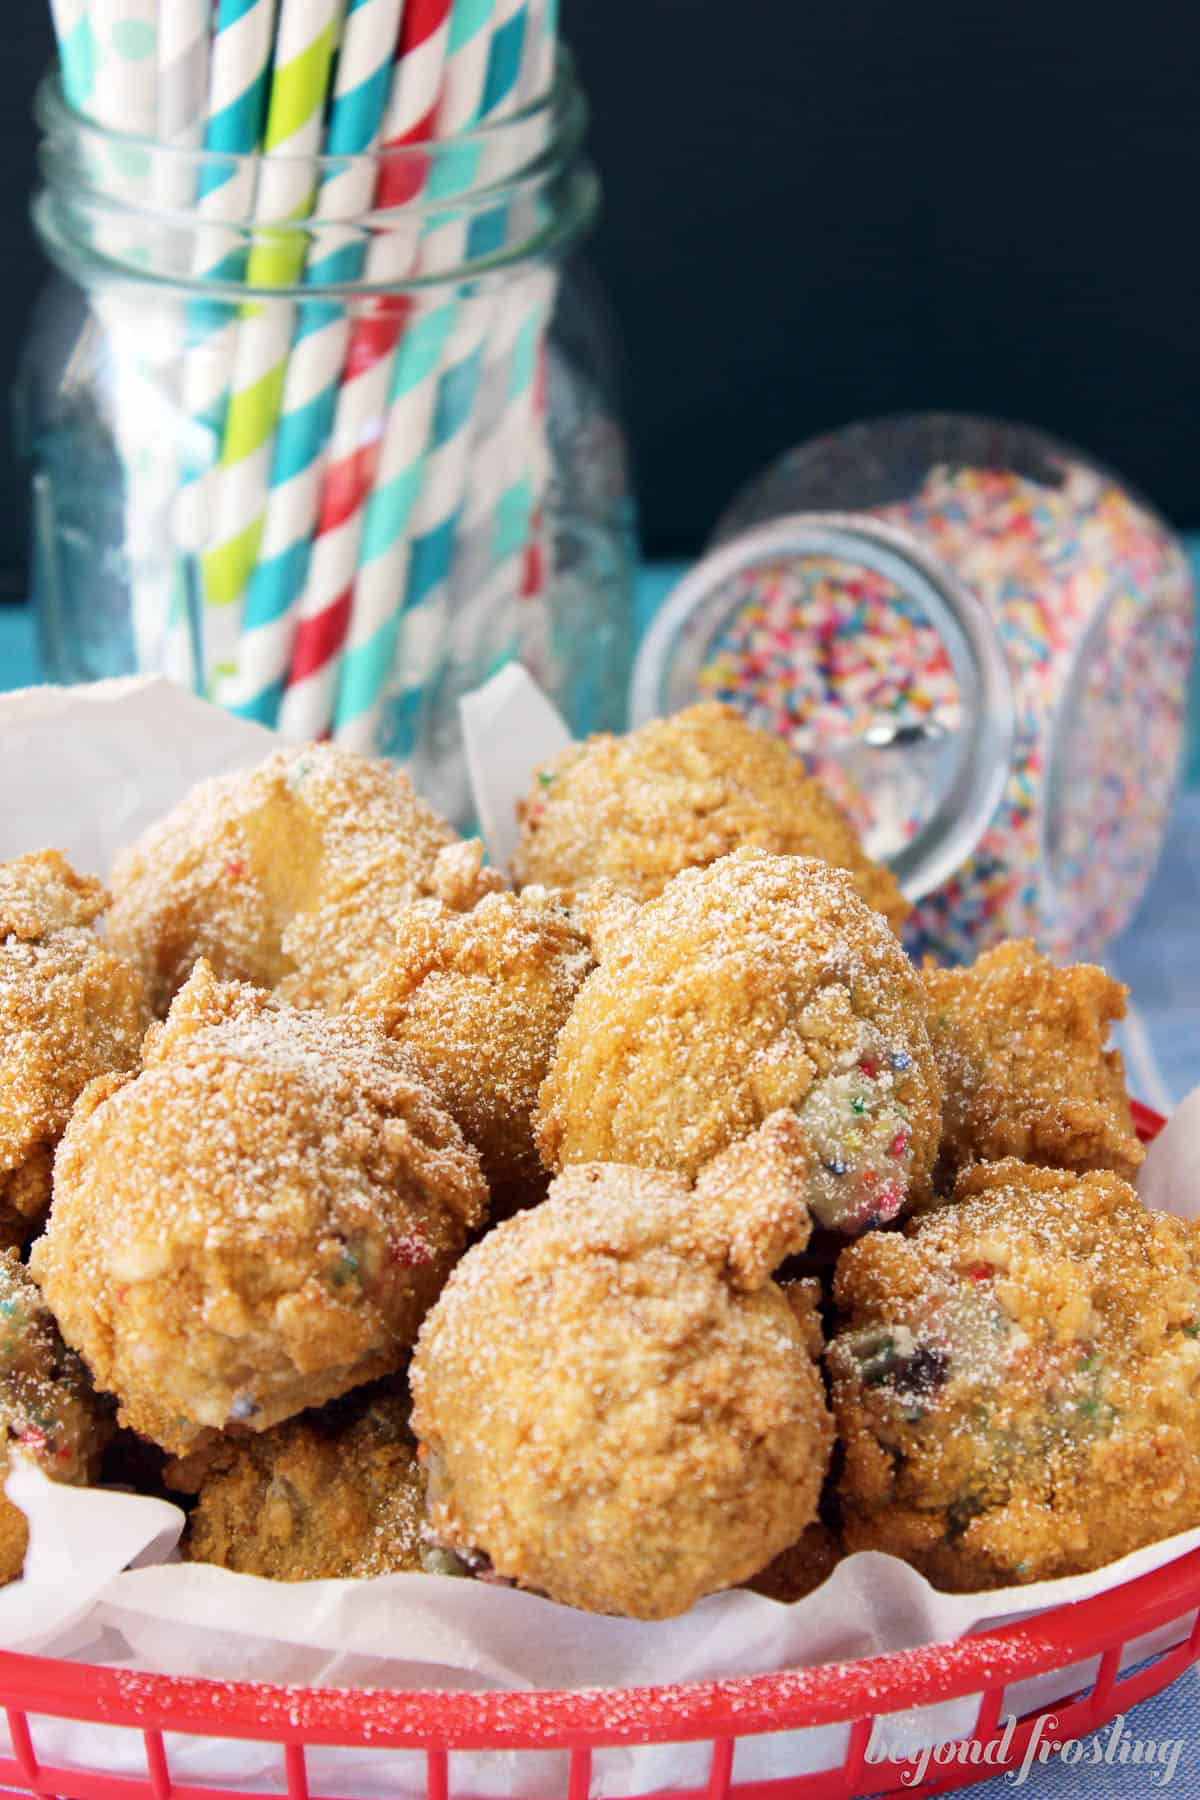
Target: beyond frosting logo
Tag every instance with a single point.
(1110, 1748)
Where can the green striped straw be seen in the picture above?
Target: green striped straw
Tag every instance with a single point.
(306, 41)
(367, 71)
(243, 33)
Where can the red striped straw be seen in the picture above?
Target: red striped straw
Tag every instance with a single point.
(347, 482)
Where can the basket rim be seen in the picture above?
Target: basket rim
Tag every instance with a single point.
(830, 1693)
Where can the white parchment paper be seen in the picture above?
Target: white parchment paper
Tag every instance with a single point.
(84, 770)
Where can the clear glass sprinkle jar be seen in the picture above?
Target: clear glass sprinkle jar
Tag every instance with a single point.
(981, 640)
(330, 439)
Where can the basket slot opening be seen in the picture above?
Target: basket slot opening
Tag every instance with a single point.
(1141, 1653)
(1147, 1665)
(1072, 1685)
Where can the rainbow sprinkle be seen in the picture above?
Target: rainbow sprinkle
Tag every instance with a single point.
(1093, 601)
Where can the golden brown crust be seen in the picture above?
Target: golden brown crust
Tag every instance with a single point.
(69, 1010)
(259, 1221)
(1017, 1385)
(757, 984)
(477, 999)
(680, 793)
(1021, 1046)
(48, 1411)
(605, 1415)
(287, 875)
(751, 1201)
(329, 1496)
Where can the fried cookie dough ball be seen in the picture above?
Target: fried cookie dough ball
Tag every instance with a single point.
(679, 793)
(48, 1411)
(332, 1495)
(616, 1403)
(1025, 1070)
(477, 1000)
(1018, 1382)
(287, 876)
(256, 1223)
(69, 1010)
(757, 983)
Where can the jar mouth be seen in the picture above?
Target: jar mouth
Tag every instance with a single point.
(473, 204)
(560, 111)
(689, 640)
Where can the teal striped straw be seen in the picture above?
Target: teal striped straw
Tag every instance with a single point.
(366, 69)
(239, 84)
(404, 578)
(76, 50)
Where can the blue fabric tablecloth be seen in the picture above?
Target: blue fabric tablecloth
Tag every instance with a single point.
(1159, 957)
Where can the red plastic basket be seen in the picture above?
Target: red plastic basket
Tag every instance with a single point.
(1093, 1644)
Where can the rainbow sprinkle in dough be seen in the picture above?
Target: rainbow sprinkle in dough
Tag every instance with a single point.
(1093, 602)
(862, 1136)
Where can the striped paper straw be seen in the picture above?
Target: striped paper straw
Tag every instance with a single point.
(358, 119)
(316, 631)
(184, 38)
(503, 488)
(239, 70)
(408, 542)
(483, 625)
(419, 551)
(185, 27)
(413, 555)
(472, 626)
(306, 40)
(76, 50)
(125, 44)
(538, 53)
(123, 96)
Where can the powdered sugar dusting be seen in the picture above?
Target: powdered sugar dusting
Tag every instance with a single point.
(287, 876)
(730, 997)
(282, 1253)
(607, 1416)
(478, 999)
(1022, 1046)
(680, 793)
(69, 1010)
(1018, 1386)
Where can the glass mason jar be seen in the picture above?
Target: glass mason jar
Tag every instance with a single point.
(981, 640)
(331, 439)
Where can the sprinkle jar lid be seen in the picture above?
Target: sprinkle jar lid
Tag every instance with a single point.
(847, 638)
